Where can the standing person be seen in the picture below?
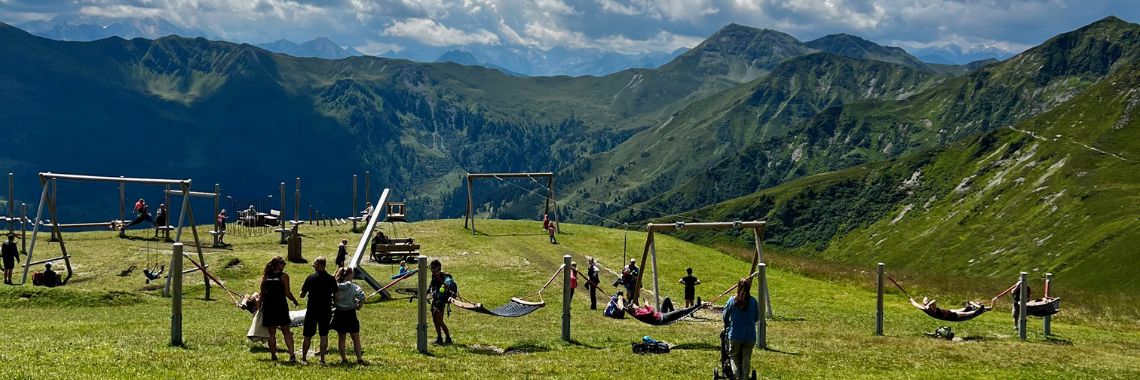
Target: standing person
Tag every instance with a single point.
(341, 253)
(349, 299)
(690, 283)
(220, 226)
(629, 277)
(573, 279)
(320, 288)
(274, 309)
(550, 231)
(442, 289)
(367, 213)
(10, 253)
(1016, 294)
(592, 281)
(741, 313)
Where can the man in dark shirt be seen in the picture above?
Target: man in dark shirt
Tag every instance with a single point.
(341, 253)
(592, 281)
(690, 283)
(320, 288)
(11, 254)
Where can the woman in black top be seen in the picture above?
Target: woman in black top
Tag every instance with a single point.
(341, 253)
(274, 309)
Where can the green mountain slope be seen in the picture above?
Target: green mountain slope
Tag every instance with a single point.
(862, 132)
(855, 47)
(1055, 193)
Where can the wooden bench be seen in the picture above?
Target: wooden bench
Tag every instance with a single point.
(165, 231)
(273, 218)
(391, 252)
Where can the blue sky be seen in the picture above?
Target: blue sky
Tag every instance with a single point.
(627, 26)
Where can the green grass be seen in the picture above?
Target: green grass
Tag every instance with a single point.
(110, 326)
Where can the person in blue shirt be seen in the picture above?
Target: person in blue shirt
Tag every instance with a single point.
(740, 316)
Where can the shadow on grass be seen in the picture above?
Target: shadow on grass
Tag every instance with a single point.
(1052, 339)
(786, 318)
(522, 348)
(575, 342)
(697, 346)
(779, 351)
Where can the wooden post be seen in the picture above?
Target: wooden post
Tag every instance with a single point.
(166, 201)
(470, 207)
(762, 324)
(879, 302)
(352, 213)
(54, 196)
(35, 231)
(421, 313)
(189, 212)
(122, 200)
(297, 201)
(554, 201)
(656, 290)
(1021, 306)
(23, 228)
(11, 202)
(58, 232)
(1048, 318)
(566, 300)
(636, 296)
(758, 234)
(176, 296)
(217, 204)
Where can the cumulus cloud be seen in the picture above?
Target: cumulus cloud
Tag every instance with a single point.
(433, 33)
(662, 41)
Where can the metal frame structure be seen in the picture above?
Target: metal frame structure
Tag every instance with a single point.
(47, 197)
(549, 194)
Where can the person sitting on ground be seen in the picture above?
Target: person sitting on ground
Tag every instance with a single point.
(690, 283)
(616, 307)
(49, 278)
(349, 299)
(142, 212)
(11, 254)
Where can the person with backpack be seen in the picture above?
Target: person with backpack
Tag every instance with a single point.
(442, 289)
(741, 313)
(690, 283)
(320, 288)
(11, 254)
(274, 310)
(349, 298)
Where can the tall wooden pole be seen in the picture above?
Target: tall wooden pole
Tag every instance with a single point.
(1022, 292)
(762, 324)
(176, 295)
(35, 230)
(11, 201)
(282, 204)
(470, 208)
(122, 200)
(566, 300)
(758, 235)
(554, 202)
(297, 201)
(879, 301)
(1048, 318)
(367, 176)
(421, 312)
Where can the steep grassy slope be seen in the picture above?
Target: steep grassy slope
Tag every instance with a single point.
(109, 326)
(1055, 193)
(862, 132)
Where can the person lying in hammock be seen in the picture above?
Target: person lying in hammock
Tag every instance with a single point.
(648, 315)
(930, 307)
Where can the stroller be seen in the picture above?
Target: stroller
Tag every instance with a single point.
(725, 370)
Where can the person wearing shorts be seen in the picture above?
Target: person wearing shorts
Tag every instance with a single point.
(320, 288)
(349, 299)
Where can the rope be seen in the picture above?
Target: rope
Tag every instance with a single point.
(550, 281)
(533, 192)
(1010, 289)
(596, 286)
(211, 276)
(731, 288)
(659, 213)
(898, 286)
(407, 275)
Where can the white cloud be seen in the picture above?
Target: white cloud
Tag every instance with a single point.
(963, 43)
(547, 35)
(432, 33)
(554, 6)
(613, 6)
(662, 41)
(377, 48)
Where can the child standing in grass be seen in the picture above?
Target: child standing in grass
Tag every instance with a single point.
(349, 299)
(274, 311)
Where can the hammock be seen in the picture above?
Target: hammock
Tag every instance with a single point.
(259, 333)
(647, 315)
(971, 311)
(515, 308)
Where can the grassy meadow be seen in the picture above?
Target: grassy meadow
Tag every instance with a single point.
(118, 327)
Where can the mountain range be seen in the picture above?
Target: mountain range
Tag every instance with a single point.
(749, 112)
